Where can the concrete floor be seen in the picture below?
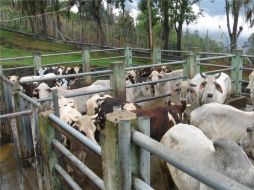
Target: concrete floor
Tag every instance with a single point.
(8, 169)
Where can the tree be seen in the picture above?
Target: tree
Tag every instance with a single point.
(148, 21)
(150, 30)
(249, 45)
(233, 8)
(164, 11)
(249, 12)
(180, 11)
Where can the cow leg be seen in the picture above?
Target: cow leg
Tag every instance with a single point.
(167, 178)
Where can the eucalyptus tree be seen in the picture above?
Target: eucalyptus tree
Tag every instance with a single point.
(180, 11)
(249, 11)
(233, 9)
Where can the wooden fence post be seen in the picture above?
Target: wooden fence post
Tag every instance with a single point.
(36, 61)
(36, 146)
(196, 62)
(50, 158)
(116, 150)
(1, 91)
(236, 75)
(189, 68)
(156, 57)
(86, 65)
(128, 56)
(117, 80)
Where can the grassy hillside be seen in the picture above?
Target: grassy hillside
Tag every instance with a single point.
(16, 45)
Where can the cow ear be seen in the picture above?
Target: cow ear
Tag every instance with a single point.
(218, 87)
(202, 85)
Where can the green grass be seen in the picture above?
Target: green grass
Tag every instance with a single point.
(16, 45)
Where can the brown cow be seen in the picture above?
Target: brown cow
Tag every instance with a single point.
(161, 118)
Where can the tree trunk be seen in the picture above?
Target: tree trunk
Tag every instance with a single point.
(179, 36)
(150, 33)
(58, 22)
(44, 25)
(179, 40)
(100, 32)
(32, 24)
(165, 8)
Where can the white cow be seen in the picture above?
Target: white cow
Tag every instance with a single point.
(223, 156)
(44, 91)
(71, 116)
(222, 121)
(92, 103)
(250, 87)
(213, 88)
(162, 88)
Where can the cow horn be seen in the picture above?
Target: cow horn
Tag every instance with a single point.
(94, 116)
(217, 75)
(203, 75)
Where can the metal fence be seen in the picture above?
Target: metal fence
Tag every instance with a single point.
(34, 139)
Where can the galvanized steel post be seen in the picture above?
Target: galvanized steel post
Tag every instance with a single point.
(86, 65)
(36, 61)
(156, 56)
(117, 150)
(236, 74)
(144, 155)
(117, 80)
(128, 56)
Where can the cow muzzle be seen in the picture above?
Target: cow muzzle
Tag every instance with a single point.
(209, 95)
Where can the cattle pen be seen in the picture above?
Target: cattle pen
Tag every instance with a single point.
(124, 152)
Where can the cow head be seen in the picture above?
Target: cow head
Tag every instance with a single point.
(186, 91)
(86, 125)
(131, 75)
(209, 86)
(247, 142)
(14, 78)
(42, 91)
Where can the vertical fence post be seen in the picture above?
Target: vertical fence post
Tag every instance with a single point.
(1, 91)
(128, 56)
(189, 68)
(196, 56)
(86, 64)
(25, 131)
(236, 74)
(36, 145)
(117, 80)
(36, 61)
(16, 142)
(55, 102)
(50, 158)
(144, 155)
(156, 55)
(116, 150)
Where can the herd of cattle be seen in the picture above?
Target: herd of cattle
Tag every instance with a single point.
(217, 135)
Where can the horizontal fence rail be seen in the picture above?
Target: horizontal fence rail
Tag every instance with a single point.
(78, 164)
(76, 134)
(214, 58)
(70, 95)
(65, 76)
(67, 178)
(215, 180)
(16, 114)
